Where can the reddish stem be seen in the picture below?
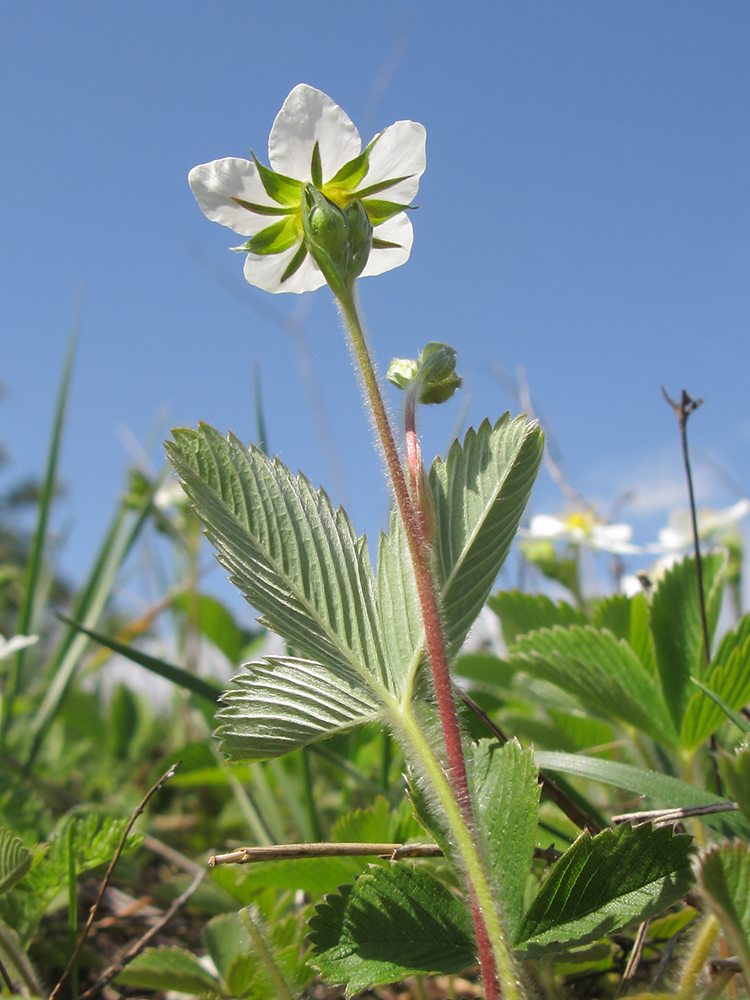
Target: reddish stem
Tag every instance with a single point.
(412, 516)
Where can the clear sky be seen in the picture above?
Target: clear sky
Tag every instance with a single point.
(585, 214)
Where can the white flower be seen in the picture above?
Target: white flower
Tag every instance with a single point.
(313, 141)
(10, 646)
(583, 528)
(678, 534)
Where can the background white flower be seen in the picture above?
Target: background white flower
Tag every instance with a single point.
(582, 528)
(313, 141)
(678, 533)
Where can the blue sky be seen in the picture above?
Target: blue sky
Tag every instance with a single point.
(585, 214)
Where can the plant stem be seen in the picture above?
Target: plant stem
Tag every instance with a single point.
(266, 957)
(486, 917)
(494, 953)
(701, 949)
(682, 411)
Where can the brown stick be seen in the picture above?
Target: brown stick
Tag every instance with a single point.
(105, 881)
(114, 970)
(281, 852)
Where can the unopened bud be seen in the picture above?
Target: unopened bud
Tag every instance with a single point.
(338, 239)
(432, 377)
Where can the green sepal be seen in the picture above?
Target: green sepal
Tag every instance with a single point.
(354, 171)
(381, 186)
(316, 167)
(380, 211)
(251, 206)
(378, 244)
(284, 190)
(295, 263)
(274, 239)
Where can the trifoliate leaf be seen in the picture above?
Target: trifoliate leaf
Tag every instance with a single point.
(604, 883)
(393, 922)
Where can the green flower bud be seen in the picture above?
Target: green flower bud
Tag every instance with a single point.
(433, 376)
(401, 371)
(339, 239)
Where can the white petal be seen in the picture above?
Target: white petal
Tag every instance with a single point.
(398, 152)
(396, 230)
(306, 117)
(16, 642)
(710, 521)
(546, 526)
(630, 585)
(613, 538)
(215, 184)
(265, 271)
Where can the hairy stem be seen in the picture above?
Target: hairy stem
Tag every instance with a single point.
(494, 954)
(699, 955)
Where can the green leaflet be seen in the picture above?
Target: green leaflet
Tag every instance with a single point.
(676, 627)
(92, 839)
(506, 797)
(398, 604)
(285, 703)
(295, 558)
(520, 612)
(393, 922)
(169, 969)
(480, 493)
(602, 672)
(731, 682)
(604, 883)
(628, 618)
(15, 860)
(724, 879)
(735, 773)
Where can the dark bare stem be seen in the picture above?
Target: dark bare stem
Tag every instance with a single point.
(682, 411)
(413, 521)
(6, 978)
(555, 794)
(105, 881)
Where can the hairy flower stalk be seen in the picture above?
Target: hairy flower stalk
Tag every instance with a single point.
(494, 953)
